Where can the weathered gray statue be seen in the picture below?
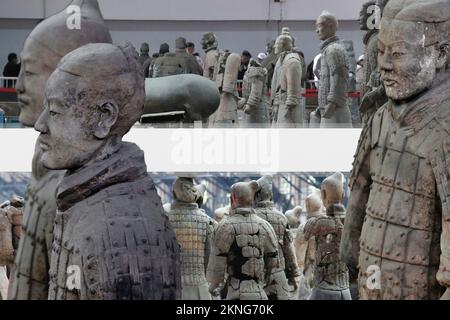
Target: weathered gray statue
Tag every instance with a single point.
(194, 96)
(269, 62)
(283, 278)
(244, 246)
(305, 250)
(112, 239)
(333, 110)
(254, 99)
(50, 39)
(178, 62)
(286, 84)
(193, 229)
(397, 230)
(221, 213)
(11, 215)
(225, 75)
(209, 45)
(373, 94)
(331, 278)
(144, 58)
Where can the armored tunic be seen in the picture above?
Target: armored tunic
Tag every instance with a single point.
(333, 86)
(193, 229)
(289, 91)
(112, 239)
(397, 225)
(245, 246)
(30, 279)
(331, 274)
(287, 268)
(255, 99)
(212, 55)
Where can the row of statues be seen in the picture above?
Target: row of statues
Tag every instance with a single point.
(94, 227)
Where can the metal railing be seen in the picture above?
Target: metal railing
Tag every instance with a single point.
(8, 82)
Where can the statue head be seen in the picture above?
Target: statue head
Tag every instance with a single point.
(413, 46)
(145, 48)
(293, 216)
(209, 41)
(163, 48)
(221, 213)
(92, 99)
(49, 41)
(264, 192)
(332, 189)
(201, 189)
(284, 42)
(326, 25)
(184, 190)
(313, 204)
(365, 14)
(243, 193)
(180, 43)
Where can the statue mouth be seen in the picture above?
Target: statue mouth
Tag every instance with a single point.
(44, 145)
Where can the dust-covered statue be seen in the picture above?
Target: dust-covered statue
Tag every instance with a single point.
(331, 278)
(112, 239)
(282, 281)
(193, 229)
(288, 111)
(397, 233)
(333, 110)
(50, 39)
(254, 99)
(244, 247)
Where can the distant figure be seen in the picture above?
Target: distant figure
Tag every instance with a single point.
(261, 56)
(245, 60)
(144, 58)
(190, 48)
(163, 49)
(360, 73)
(11, 69)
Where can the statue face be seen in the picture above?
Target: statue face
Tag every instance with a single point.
(30, 86)
(67, 124)
(282, 44)
(407, 66)
(324, 28)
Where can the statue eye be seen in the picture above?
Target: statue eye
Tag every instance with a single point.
(397, 54)
(52, 113)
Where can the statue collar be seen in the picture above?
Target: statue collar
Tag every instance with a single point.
(125, 165)
(329, 41)
(242, 211)
(210, 49)
(183, 205)
(265, 204)
(336, 210)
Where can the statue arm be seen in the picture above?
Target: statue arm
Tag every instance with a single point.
(270, 250)
(209, 241)
(336, 60)
(441, 168)
(360, 182)
(222, 240)
(293, 79)
(319, 226)
(291, 267)
(257, 85)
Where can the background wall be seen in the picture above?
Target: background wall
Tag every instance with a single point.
(239, 25)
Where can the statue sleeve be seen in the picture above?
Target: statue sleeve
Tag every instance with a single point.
(337, 62)
(257, 84)
(222, 240)
(270, 250)
(441, 168)
(360, 182)
(294, 80)
(209, 240)
(291, 267)
(319, 226)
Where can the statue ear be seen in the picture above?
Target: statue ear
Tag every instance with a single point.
(443, 50)
(109, 112)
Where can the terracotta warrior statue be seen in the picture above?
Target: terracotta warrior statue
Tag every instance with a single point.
(294, 217)
(193, 229)
(373, 95)
(144, 58)
(112, 239)
(209, 45)
(225, 75)
(331, 278)
(254, 99)
(221, 213)
(333, 110)
(269, 63)
(305, 250)
(286, 84)
(283, 278)
(244, 247)
(50, 39)
(396, 238)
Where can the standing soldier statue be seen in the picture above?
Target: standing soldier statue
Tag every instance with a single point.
(244, 246)
(396, 238)
(193, 229)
